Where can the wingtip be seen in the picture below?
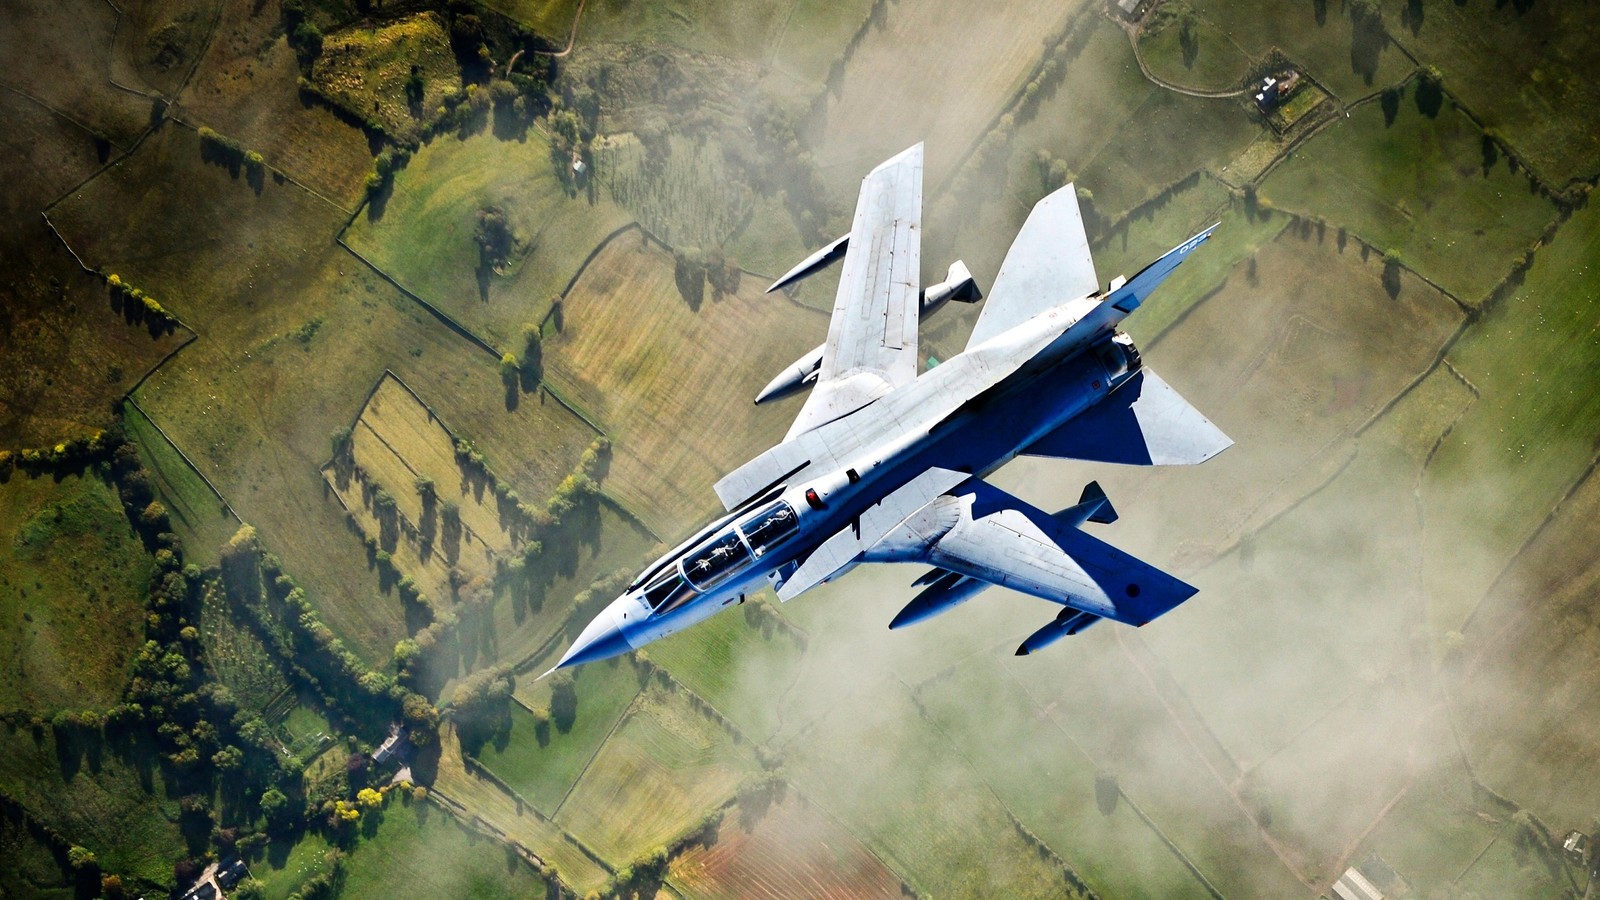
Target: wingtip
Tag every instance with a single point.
(1023, 650)
(549, 673)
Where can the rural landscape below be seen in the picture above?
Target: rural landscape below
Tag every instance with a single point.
(357, 353)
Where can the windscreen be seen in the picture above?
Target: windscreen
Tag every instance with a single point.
(667, 591)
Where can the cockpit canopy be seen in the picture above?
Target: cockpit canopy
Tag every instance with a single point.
(770, 527)
(721, 556)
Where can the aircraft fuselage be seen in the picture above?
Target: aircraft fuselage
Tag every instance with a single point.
(971, 415)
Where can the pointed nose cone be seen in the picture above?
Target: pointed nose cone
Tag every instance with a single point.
(601, 639)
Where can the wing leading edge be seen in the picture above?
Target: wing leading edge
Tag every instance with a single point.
(872, 338)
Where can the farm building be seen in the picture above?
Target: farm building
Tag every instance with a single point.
(1352, 885)
(1129, 8)
(1275, 89)
(391, 747)
(1576, 846)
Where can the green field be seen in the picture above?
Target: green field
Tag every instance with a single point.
(718, 658)
(1318, 37)
(104, 801)
(664, 768)
(1531, 434)
(419, 850)
(73, 576)
(1522, 68)
(1185, 49)
(1410, 186)
(29, 865)
(199, 517)
(543, 766)
(518, 821)
(285, 865)
(425, 234)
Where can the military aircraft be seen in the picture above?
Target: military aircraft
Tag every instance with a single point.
(886, 465)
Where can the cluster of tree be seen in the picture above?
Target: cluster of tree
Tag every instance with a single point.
(496, 239)
(304, 35)
(693, 269)
(308, 648)
(124, 294)
(389, 161)
(229, 153)
(1064, 46)
(481, 706)
(66, 456)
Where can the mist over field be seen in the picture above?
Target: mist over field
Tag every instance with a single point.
(363, 353)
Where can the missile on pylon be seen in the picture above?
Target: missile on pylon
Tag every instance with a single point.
(945, 592)
(813, 264)
(1067, 622)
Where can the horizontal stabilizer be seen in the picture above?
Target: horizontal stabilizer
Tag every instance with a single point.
(1143, 423)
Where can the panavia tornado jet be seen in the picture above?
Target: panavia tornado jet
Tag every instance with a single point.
(886, 465)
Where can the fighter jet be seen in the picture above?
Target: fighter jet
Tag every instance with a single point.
(884, 464)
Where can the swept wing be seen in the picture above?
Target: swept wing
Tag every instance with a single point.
(872, 338)
(982, 532)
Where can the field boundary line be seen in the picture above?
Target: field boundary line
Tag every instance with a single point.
(1064, 32)
(172, 115)
(1176, 851)
(627, 711)
(81, 126)
(471, 763)
(458, 811)
(1538, 531)
(1135, 29)
(184, 456)
(1268, 840)
(461, 330)
(1027, 834)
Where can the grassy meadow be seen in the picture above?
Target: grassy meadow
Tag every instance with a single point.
(246, 86)
(543, 764)
(1411, 185)
(424, 233)
(642, 359)
(1185, 49)
(418, 849)
(1521, 68)
(518, 821)
(73, 578)
(119, 810)
(199, 517)
(663, 769)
